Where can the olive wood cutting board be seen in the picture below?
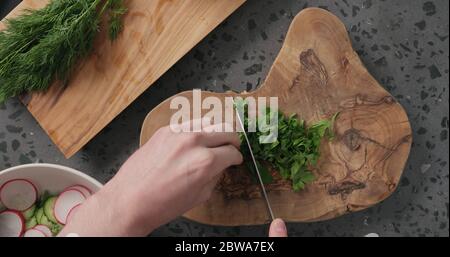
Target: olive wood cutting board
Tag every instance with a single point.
(316, 74)
(156, 35)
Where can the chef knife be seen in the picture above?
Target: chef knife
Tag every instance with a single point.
(263, 188)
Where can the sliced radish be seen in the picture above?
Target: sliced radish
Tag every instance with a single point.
(34, 233)
(44, 229)
(84, 190)
(12, 224)
(65, 202)
(18, 194)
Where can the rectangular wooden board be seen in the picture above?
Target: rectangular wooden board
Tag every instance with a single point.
(156, 35)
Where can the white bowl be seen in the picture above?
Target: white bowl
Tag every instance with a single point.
(50, 177)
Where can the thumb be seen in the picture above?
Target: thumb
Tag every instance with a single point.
(278, 228)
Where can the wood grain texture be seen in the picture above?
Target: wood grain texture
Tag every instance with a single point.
(317, 74)
(156, 35)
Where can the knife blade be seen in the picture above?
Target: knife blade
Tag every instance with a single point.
(263, 188)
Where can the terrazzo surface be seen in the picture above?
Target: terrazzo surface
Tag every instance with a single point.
(403, 43)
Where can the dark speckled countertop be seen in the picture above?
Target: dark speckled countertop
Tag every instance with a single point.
(403, 43)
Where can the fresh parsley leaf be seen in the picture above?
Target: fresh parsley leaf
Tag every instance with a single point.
(293, 154)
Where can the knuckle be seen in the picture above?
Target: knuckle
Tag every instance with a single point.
(206, 159)
(192, 138)
(236, 156)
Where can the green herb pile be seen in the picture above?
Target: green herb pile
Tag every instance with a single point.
(293, 154)
(43, 45)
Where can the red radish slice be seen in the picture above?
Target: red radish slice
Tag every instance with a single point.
(84, 190)
(18, 194)
(65, 202)
(74, 189)
(44, 229)
(72, 212)
(12, 224)
(34, 233)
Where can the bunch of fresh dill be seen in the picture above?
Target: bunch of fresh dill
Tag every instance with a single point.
(43, 45)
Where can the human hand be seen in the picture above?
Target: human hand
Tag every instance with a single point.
(168, 176)
(278, 228)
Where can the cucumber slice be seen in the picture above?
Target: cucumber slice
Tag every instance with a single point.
(31, 223)
(45, 221)
(48, 209)
(38, 215)
(56, 228)
(28, 214)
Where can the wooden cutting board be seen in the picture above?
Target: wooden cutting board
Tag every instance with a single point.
(316, 74)
(157, 34)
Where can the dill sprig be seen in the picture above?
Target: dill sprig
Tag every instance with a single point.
(116, 10)
(43, 45)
